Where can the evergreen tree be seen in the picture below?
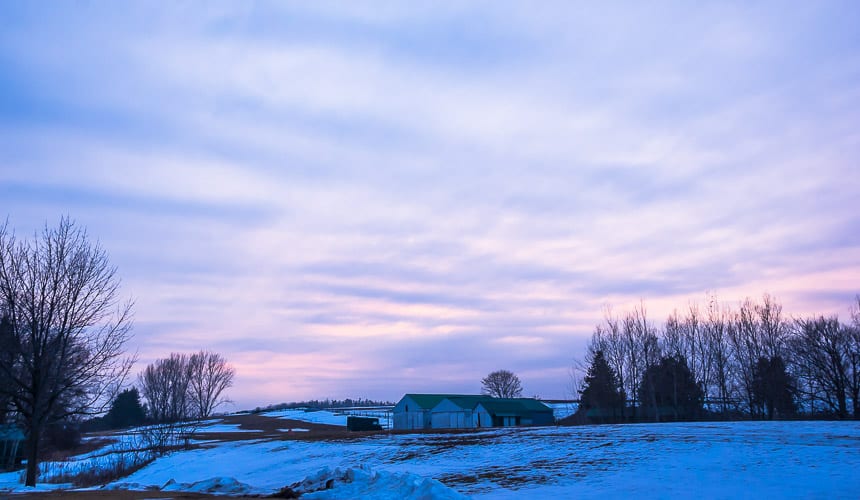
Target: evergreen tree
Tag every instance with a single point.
(126, 410)
(773, 387)
(668, 389)
(602, 398)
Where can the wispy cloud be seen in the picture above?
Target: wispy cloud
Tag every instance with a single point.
(364, 199)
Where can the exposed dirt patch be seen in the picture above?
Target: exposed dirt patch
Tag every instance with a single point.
(506, 477)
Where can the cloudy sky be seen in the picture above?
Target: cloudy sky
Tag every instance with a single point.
(363, 199)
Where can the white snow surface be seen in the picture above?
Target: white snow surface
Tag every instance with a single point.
(712, 460)
(331, 417)
(562, 410)
(313, 416)
(709, 460)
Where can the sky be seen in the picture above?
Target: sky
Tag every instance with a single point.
(363, 199)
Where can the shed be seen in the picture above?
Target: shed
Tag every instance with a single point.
(498, 412)
(11, 438)
(363, 424)
(413, 411)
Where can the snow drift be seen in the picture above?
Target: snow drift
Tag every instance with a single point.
(366, 483)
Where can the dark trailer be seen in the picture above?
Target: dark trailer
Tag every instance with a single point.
(363, 424)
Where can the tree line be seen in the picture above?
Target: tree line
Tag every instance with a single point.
(719, 361)
(323, 404)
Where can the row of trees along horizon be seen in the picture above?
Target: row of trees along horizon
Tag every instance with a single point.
(720, 362)
(63, 332)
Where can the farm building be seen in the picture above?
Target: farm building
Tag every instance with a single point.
(509, 412)
(413, 410)
(460, 411)
(11, 438)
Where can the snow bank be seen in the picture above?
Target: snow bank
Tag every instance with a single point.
(366, 483)
(12, 482)
(215, 485)
(339, 483)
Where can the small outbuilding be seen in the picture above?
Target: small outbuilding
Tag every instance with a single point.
(513, 412)
(363, 424)
(11, 439)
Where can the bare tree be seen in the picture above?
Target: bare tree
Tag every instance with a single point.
(820, 348)
(641, 349)
(502, 384)
(774, 329)
(164, 384)
(699, 358)
(853, 358)
(7, 358)
(210, 375)
(717, 346)
(746, 349)
(64, 346)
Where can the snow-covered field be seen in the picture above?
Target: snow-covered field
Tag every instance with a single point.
(331, 417)
(712, 460)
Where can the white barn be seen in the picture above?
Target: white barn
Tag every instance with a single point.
(454, 412)
(413, 411)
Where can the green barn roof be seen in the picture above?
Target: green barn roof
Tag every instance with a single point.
(491, 404)
(428, 401)
(514, 406)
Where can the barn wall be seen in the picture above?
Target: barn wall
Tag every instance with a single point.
(415, 418)
(542, 418)
(452, 419)
(482, 418)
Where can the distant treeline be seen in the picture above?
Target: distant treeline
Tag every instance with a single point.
(323, 404)
(719, 361)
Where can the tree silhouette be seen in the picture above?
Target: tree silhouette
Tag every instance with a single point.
(671, 390)
(773, 387)
(210, 375)
(502, 384)
(126, 410)
(63, 355)
(601, 398)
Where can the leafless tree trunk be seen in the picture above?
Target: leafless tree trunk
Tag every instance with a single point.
(502, 384)
(210, 375)
(674, 340)
(820, 348)
(854, 358)
(641, 349)
(67, 331)
(699, 359)
(716, 340)
(774, 329)
(646, 342)
(615, 351)
(746, 344)
(164, 384)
